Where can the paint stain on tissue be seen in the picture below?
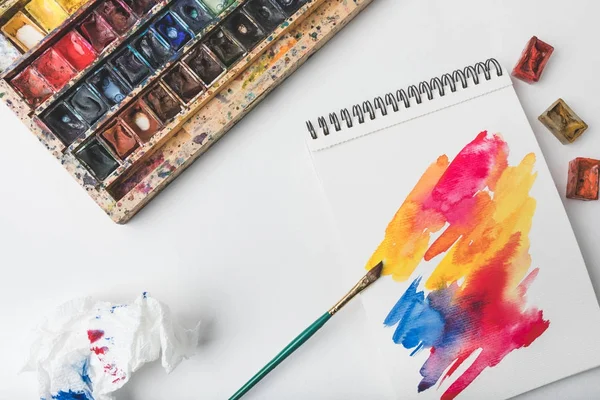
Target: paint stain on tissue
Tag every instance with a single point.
(70, 395)
(95, 335)
(109, 352)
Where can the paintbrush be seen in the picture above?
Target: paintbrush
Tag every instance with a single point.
(366, 280)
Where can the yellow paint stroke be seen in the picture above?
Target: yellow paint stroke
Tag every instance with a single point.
(476, 214)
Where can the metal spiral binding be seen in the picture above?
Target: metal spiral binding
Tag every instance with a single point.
(391, 102)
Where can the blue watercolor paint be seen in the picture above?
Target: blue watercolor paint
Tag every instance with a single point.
(70, 395)
(85, 377)
(419, 324)
(172, 31)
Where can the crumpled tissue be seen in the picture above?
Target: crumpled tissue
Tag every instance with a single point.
(87, 350)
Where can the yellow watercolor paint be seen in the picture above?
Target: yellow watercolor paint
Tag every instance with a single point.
(71, 5)
(23, 31)
(47, 13)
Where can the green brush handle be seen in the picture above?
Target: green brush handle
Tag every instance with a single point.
(289, 349)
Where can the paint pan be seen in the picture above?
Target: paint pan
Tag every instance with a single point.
(97, 159)
(162, 103)
(195, 16)
(32, 86)
(97, 31)
(70, 6)
(218, 6)
(8, 53)
(244, 30)
(204, 65)
(120, 139)
(109, 86)
(54, 68)
(153, 49)
(47, 13)
(227, 50)
(141, 120)
(88, 104)
(64, 123)
(140, 7)
(118, 15)
(23, 31)
(266, 13)
(131, 67)
(291, 6)
(172, 31)
(76, 50)
(183, 83)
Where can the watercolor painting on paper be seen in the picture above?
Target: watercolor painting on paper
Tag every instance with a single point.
(471, 216)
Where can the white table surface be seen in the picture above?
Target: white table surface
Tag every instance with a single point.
(251, 207)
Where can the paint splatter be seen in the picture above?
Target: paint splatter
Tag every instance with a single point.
(94, 335)
(476, 306)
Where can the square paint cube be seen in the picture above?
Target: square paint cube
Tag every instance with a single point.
(582, 183)
(291, 6)
(76, 50)
(131, 67)
(141, 120)
(218, 6)
(204, 65)
(140, 7)
(244, 30)
(226, 49)
(183, 83)
(266, 13)
(195, 16)
(118, 16)
(54, 68)
(164, 105)
(109, 86)
(153, 49)
(533, 60)
(30, 84)
(97, 31)
(8, 53)
(23, 31)
(97, 159)
(47, 13)
(64, 123)
(88, 104)
(563, 122)
(172, 31)
(120, 140)
(70, 6)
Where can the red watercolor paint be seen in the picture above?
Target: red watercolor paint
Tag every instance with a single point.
(76, 50)
(97, 31)
(95, 335)
(54, 68)
(533, 60)
(100, 350)
(32, 86)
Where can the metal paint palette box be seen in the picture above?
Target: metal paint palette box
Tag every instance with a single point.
(110, 86)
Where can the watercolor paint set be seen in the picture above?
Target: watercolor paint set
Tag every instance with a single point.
(108, 85)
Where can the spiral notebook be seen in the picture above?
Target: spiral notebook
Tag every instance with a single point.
(485, 293)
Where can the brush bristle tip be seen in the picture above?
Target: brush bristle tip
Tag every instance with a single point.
(375, 272)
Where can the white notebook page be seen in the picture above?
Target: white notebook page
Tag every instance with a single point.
(369, 170)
